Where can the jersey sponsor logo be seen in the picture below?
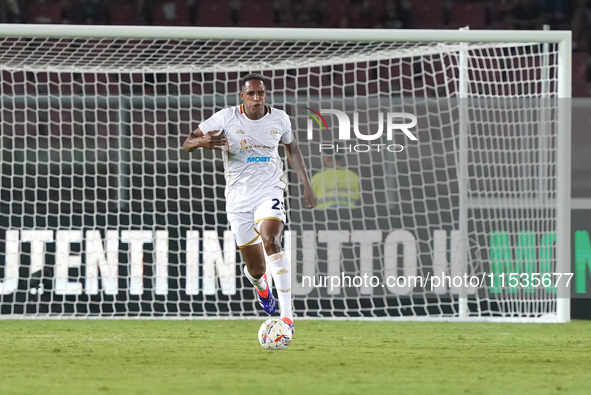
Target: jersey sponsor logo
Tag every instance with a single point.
(263, 146)
(247, 145)
(258, 159)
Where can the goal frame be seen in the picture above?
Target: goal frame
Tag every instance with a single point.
(562, 38)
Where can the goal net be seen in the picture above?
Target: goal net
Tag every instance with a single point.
(440, 160)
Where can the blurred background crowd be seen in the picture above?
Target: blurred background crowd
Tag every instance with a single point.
(572, 15)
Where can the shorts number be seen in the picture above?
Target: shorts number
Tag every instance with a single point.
(278, 205)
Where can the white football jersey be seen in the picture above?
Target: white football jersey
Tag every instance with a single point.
(252, 164)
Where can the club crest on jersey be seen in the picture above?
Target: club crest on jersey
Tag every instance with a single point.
(239, 131)
(273, 132)
(244, 145)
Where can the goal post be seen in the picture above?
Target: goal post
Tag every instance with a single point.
(439, 155)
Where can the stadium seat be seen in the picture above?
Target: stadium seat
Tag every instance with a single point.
(360, 79)
(467, 13)
(335, 10)
(46, 12)
(484, 74)
(232, 82)
(191, 84)
(436, 75)
(426, 14)
(124, 13)
(349, 74)
(61, 122)
(215, 13)
(94, 84)
(579, 75)
(314, 80)
(499, 11)
(257, 15)
(60, 83)
(275, 79)
(170, 13)
(226, 83)
(579, 67)
(405, 76)
(173, 84)
(376, 6)
(13, 83)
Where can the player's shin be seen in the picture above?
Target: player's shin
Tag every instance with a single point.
(281, 271)
(259, 283)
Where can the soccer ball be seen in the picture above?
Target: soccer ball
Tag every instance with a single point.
(274, 334)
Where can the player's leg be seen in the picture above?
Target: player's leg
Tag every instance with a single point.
(254, 270)
(255, 267)
(251, 249)
(271, 232)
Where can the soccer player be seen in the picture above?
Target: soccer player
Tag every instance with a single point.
(248, 136)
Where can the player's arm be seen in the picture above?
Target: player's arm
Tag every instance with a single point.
(297, 162)
(198, 139)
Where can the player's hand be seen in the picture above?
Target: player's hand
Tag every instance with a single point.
(310, 197)
(208, 140)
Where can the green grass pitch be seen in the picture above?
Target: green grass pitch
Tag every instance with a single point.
(326, 357)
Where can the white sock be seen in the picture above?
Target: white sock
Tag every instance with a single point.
(259, 283)
(282, 277)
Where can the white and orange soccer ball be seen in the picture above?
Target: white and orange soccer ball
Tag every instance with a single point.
(274, 334)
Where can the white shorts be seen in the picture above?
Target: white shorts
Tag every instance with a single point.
(245, 224)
